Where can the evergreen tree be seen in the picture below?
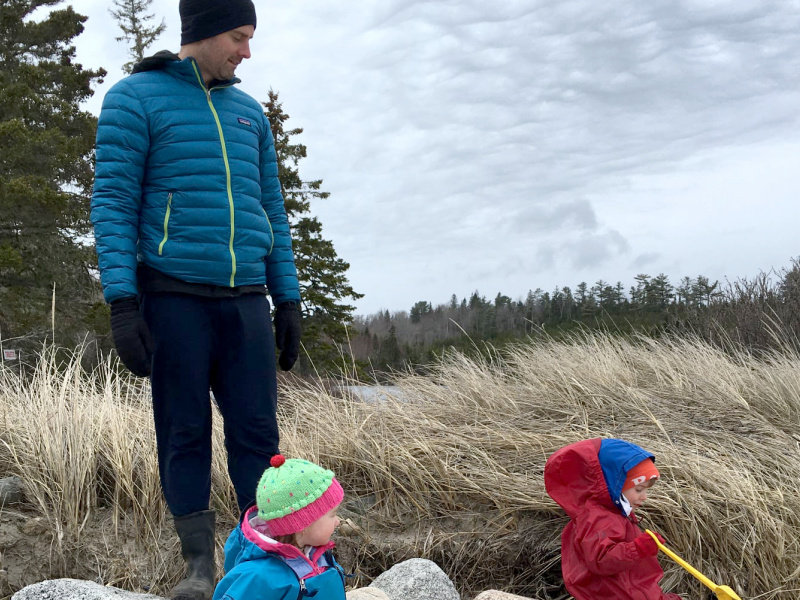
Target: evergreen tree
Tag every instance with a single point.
(584, 299)
(604, 294)
(419, 310)
(46, 175)
(705, 291)
(389, 356)
(662, 291)
(568, 303)
(685, 292)
(476, 301)
(641, 295)
(324, 287)
(619, 295)
(132, 20)
(501, 300)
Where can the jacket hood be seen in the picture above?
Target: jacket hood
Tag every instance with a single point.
(591, 471)
(156, 62)
(255, 544)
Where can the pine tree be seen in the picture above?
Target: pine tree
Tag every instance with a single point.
(46, 175)
(419, 310)
(324, 287)
(685, 293)
(389, 356)
(132, 20)
(663, 291)
(705, 291)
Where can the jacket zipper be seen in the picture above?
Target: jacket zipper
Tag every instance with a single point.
(166, 224)
(227, 170)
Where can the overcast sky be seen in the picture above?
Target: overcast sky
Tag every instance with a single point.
(509, 145)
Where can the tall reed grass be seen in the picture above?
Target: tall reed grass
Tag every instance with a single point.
(449, 467)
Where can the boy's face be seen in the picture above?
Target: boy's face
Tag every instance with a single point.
(637, 495)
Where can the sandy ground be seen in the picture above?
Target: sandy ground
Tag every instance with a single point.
(26, 544)
(30, 551)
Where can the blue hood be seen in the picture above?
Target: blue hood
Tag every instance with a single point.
(617, 457)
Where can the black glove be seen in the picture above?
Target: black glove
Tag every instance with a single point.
(131, 336)
(287, 333)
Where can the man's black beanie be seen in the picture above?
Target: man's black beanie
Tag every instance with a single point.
(201, 19)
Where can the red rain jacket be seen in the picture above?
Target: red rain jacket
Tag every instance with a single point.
(599, 560)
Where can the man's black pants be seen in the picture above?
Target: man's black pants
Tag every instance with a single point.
(226, 345)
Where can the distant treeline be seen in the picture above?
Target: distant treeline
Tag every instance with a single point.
(759, 314)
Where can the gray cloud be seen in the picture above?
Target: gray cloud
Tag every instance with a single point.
(643, 261)
(595, 249)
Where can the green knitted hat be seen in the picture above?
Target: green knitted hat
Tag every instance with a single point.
(294, 493)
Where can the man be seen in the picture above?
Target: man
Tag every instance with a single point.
(191, 233)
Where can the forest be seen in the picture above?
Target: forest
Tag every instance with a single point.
(757, 313)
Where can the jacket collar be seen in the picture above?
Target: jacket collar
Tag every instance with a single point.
(250, 520)
(186, 69)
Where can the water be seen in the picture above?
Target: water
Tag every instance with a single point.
(373, 393)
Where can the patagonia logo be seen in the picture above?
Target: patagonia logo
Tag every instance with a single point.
(245, 122)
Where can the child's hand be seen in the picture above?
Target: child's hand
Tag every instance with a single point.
(660, 539)
(646, 545)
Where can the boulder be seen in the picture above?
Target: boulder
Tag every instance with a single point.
(367, 593)
(416, 579)
(498, 595)
(10, 490)
(74, 589)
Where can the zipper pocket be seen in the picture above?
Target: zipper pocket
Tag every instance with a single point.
(166, 224)
(304, 593)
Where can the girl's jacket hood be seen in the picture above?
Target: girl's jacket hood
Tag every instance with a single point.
(591, 471)
(253, 545)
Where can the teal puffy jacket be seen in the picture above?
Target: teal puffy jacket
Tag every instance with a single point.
(258, 568)
(186, 182)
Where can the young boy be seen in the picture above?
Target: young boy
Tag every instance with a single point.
(604, 554)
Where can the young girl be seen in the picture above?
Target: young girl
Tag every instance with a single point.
(281, 548)
(604, 554)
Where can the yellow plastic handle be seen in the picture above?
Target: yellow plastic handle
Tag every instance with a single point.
(702, 578)
(723, 592)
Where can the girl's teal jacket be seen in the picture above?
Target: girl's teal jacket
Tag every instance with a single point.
(186, 182)
(257, 567)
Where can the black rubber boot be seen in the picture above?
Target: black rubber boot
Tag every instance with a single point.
(196, 532)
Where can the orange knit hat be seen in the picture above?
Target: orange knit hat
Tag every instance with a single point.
(644, 471)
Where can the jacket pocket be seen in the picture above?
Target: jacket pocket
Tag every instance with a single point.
(167, 214)
(271, 233)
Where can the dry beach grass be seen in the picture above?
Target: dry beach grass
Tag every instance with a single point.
(449, 467)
